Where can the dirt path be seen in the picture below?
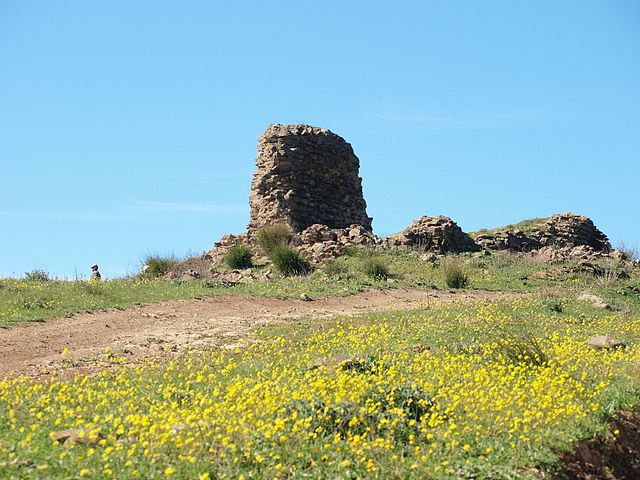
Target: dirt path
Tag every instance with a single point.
(167, 328)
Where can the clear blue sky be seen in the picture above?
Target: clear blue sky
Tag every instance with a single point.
(129, 127)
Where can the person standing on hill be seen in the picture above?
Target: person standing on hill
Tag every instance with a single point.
(95, 274)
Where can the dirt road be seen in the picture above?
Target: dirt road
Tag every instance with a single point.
(66, 346)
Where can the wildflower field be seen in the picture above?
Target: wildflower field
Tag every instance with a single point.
(491, 391)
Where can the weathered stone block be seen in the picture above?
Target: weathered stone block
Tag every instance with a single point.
(306, 175)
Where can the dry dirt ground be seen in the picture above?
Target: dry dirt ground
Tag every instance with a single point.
(608, 456)
(66, 346)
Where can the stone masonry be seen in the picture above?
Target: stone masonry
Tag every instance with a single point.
(569, 229)
(306, 175)
(434, 234)
(565, 230)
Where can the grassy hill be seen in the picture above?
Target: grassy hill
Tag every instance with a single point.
(483, 390)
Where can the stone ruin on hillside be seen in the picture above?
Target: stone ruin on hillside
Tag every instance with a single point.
(434, 234)
(306, 175)
(308, 178)
(559, 238)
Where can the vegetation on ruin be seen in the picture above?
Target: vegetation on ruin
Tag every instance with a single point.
(288, 262)
(527, 226)
(239, 257)
(274, 236)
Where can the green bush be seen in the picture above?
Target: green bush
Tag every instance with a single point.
(553, 305)
(289, 262)
(159, 266)
(37, 276)
(238, 257)
(401, 407)
(454, 273)
(333, 268)
(375, 268)
(272, 237)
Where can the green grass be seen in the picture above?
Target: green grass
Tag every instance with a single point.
(375, 268)
(448, 379)
(274, 236)
(23, 300)
(527, 226)
(158, 266)
(454, 273)
(288, 262)
(238, 257)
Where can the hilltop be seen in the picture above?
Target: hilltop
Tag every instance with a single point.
(309, 347)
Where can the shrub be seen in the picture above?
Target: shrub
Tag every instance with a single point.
(37, 276)
(409, 398)
(522, 349)
(513, 343)
(629, 252)
(608, 272)
(37, 303)
(274, 236)
(238, 257)
(375, 268)
(335, 268)
(454, 273)
(401, 407)
(554, 305)
(159, 266)
(353, 251)
(289, 262)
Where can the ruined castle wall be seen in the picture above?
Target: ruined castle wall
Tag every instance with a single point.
(306, 175)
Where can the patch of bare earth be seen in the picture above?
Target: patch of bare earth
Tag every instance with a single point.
(77, 344)
(615, 456)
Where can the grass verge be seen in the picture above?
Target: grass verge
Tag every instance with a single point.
(25, 300)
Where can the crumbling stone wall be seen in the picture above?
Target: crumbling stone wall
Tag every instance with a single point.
(306, 175)
(571, 230)
(563, 230)
(320, 243)
(435, 234)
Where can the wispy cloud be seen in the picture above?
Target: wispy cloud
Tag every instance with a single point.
(68, 214)
(444, 121)
(472, 120)
(187, 207)
(123, 212)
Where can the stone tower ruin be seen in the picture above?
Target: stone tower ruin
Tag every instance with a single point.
(306, 175)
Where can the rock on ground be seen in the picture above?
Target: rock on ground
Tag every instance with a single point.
(603, 342)
(437, 234)
(594, 300)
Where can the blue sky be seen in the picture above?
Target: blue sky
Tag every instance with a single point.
(129, 128)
